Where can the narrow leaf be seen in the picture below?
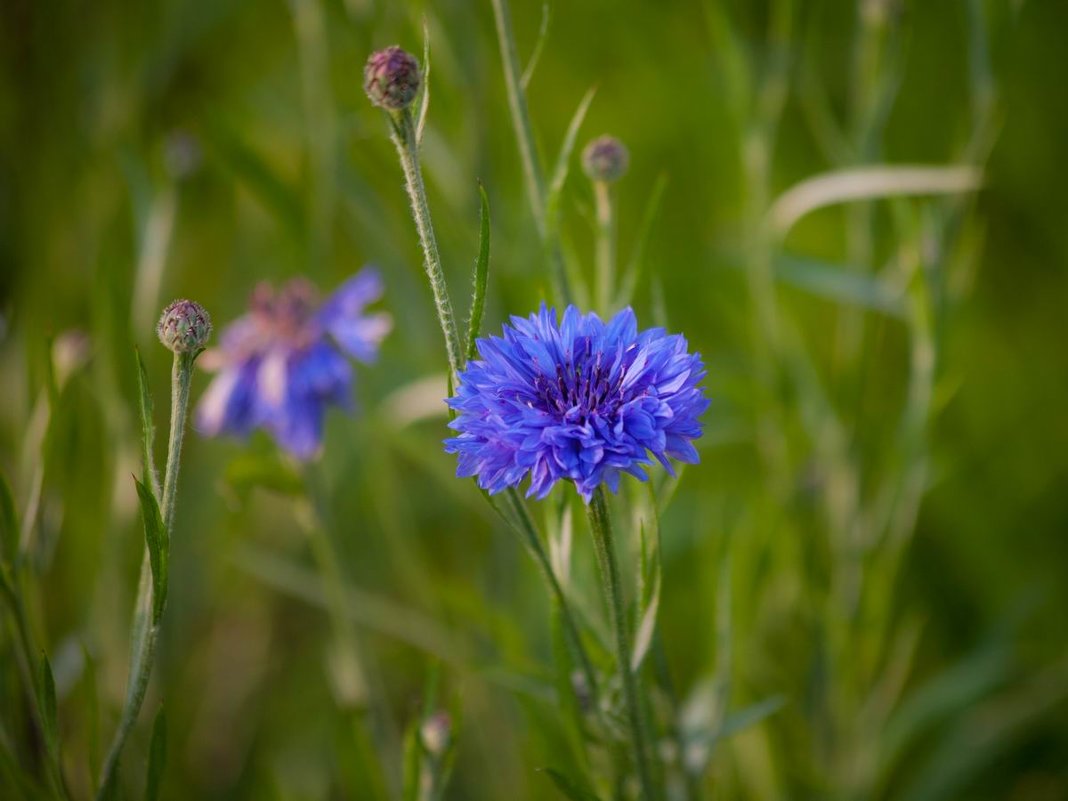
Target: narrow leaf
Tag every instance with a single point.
(869, 183)
(158, 548)
(478, 299)
(563, 160)
(9, 529)
(749, 716)
(157, 757)
(646, 628)
(424, 101)
(46, 703)
(840, 284)
(535, 54)
(148, 431)
(568, 787)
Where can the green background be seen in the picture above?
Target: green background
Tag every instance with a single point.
(293, 174)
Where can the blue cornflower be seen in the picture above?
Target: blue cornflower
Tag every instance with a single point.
(582, 400)
(283, 363)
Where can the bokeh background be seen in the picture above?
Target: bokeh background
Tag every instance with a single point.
(875, 536)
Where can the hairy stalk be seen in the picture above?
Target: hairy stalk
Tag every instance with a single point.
(528, 151)
(145, 630)
(606, 246)
(601, 527)
(402, 131)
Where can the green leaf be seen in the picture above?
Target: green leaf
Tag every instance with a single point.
(841, 285)
(568, 787)
(46, 703)
(424, 82)
(478, 299)
(9, 527)
(148, 431)
(563, 160)
(157, 757)
(747, 717)
(539, 45)
(158, 548)
(648, 591)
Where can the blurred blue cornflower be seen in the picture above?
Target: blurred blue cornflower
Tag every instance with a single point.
(582, 400)
(281, 364)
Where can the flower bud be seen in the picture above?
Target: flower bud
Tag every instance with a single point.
(436, 732)
(184, 327)
(391, 78)
(605, 159)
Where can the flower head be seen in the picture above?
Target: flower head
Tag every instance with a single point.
(581, 399)
(184, 327)
(391, 78)
(281, 364)
(605, 159)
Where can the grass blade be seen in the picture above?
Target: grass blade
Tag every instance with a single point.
(478, 299)
(869, 183)
(841, 285)
(46, 702)
(157, 757)
(148, 430)
(563, 159)
(424, 81)
(568, 787)
(9, 530)
(158, 548)
(539, 45)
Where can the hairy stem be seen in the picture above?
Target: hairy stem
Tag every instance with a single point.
(601, 527)
(404, 137)
(145, 629)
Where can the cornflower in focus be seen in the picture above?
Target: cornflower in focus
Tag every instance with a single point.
(581, 399)
(281, 364)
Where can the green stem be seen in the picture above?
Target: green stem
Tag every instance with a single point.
(529, 534)
(606, 246)
(601, 527)
(403, 134)
(528, 152)
(517, 103)
(145, 629)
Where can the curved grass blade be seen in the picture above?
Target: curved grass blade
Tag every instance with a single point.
(841, 285)
(46, 703)
(158, 548)
(568, 787)
(148, 431)
(157, 757)
(563, 159)
(478, 299)
(424, 79)
(539, 45)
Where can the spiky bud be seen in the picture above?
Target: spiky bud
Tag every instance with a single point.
(184, 327)
(391, 78)
(605, 159)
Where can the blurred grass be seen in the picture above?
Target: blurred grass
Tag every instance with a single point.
(247, 123)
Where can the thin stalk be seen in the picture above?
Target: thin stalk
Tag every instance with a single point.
(517, 103)
(529, 534)
(528, 152)
(606, 246)
(28, 667)
(145, 630)
(601, 527)
(402, 131)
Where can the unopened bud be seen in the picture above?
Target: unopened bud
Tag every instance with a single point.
(605, 159)
(391, 78)
(184, 327)
(435, 732)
